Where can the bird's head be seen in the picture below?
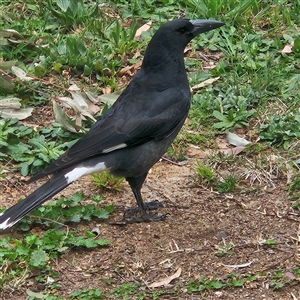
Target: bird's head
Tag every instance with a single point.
(182, 31)
(172, 37)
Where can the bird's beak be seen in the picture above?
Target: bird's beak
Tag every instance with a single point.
(201, 26)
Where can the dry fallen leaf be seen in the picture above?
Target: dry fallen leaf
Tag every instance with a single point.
(142, 29)
(238, 266)
(106, 90)
(165, 280)
(73, 87)
(205, 83)
(20, 114)
(232, 151)
(130, 70)
(137, 54)
(193, 150)
(10, 107)
(92, 107)
(20, 73)
(235, 140)
(291, 276)
(187, 49)
(288, 48)
(10, 33)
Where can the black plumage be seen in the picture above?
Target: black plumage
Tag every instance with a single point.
(136, 131)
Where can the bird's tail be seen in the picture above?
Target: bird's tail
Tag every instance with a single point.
(15, 213)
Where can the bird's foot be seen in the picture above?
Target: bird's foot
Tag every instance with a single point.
(145, 218)
(129, 214)
(154, 204)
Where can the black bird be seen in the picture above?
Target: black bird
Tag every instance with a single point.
(138, 128)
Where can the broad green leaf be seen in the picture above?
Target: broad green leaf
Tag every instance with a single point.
(6, 84)
(20, 114)
(63, 119)
(63, 4)
(219, 116)
(38, 258)
(35, 295)
(39, 71)
(6, 65)
(296, 47)
(109, 99)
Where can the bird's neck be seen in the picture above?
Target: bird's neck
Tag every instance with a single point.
(160, 57)
(167, 71)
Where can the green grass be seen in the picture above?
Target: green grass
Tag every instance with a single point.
(90, 42)
(32, 251)
(107, 180)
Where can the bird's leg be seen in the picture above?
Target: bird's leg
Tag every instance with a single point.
(136, 185)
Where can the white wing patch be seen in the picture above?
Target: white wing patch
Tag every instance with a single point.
(6, 224)
(83, 170)
(113, 148)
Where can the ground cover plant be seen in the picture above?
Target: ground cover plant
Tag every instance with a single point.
(233, 227)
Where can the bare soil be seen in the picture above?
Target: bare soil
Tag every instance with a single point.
(199, 222)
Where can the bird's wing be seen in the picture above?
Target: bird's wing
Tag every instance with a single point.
(126, 124)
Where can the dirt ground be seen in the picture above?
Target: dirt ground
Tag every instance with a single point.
(199, 222)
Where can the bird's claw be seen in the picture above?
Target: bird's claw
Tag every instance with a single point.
(145, 218)
(155, 204)
(128, 216)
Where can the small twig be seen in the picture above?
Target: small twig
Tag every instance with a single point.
(62, 272)
(172, 162)
(294, 297)
(56, 222)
